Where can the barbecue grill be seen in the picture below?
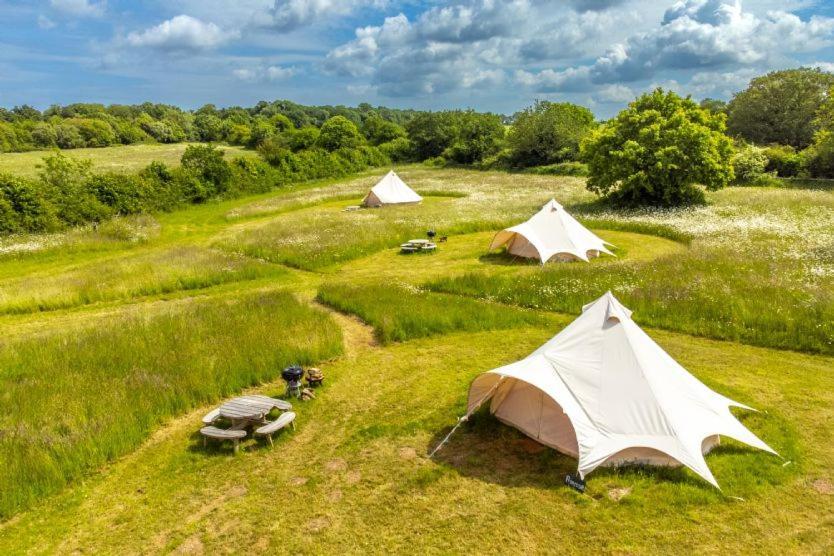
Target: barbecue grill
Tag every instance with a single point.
(292, 375)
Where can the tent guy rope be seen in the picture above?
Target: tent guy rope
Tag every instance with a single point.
(465, 418)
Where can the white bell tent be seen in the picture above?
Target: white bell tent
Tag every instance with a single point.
(604, 392)
(391, 190)
(551, 232)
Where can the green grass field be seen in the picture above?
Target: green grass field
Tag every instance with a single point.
(113, 343)
(125, 158)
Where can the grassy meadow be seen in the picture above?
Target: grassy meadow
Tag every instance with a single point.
(123, 158)
(113, 343)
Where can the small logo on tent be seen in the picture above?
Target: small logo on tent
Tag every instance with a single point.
(575, 482)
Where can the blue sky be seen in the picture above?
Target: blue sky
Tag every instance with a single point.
(484, 54)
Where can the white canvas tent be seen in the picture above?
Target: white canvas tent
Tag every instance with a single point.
(602, 391)
(551, 232)
(390, 190)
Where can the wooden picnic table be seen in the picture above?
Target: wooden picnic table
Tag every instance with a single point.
(251, 408)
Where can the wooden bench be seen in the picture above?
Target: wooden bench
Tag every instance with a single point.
(223, 434)
(271, 428)
(211, 416)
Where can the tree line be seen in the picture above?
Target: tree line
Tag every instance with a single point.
(657, 151)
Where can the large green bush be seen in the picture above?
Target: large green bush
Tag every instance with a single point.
(655, 152)
(782, 160)
(25, 208)
(749, 163)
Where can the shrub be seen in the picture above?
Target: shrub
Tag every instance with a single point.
(657, 150)
(129, 133)
(124, 193)
(749, 163)
(206, 164)
(561, 169)
(818, 160)
(338, 133)
(65, 185)
(30, 211)
(782, 160)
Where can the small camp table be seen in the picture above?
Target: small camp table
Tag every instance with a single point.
(418, 245)
(246, 409)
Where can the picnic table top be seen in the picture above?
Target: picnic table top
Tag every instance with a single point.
(251, 407)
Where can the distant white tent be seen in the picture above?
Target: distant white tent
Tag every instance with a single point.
(551, 232)
(602, 391)
(390, 190)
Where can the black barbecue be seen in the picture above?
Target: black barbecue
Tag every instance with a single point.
(292, 375)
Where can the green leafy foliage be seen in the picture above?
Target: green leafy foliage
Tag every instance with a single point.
(657, 150)
(548, 133)
(338, 133)
(780, 107)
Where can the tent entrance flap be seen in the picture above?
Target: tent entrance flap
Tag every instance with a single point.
(533, 412)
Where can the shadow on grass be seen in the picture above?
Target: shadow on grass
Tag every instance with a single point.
(490, 451)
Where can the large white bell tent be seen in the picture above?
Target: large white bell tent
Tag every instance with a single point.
(551, 233)
(390, 190)
(604, 392)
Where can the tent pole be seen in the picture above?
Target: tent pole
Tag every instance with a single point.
(465, 418)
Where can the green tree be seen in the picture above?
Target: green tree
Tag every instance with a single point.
(431, 133)
(338, 133)
(478, 136)
(655, 152)
(714, 105)
(548, 133)
(378, 130)
(780, 107)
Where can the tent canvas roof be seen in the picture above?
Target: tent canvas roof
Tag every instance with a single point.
(603, 391)
(551, 231)
(391, 190)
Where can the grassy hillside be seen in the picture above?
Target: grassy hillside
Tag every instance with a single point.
(165, 315)
(126, 158)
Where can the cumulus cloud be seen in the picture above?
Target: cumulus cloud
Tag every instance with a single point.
(182, 33)
(288, 15)
(465, 45)
(269, 73)
(696, 34)
(79, 8)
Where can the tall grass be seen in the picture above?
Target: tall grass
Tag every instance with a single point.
(72, 401)
(400, 312)
(462, 202)
(716, 293)
(154, 273)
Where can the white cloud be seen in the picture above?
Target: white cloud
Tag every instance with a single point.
(182, 33)
(287, 15)
(615, 93)
(697, 34)
(467, 45)
(45, 23)
(269, 73)
(79, 8)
